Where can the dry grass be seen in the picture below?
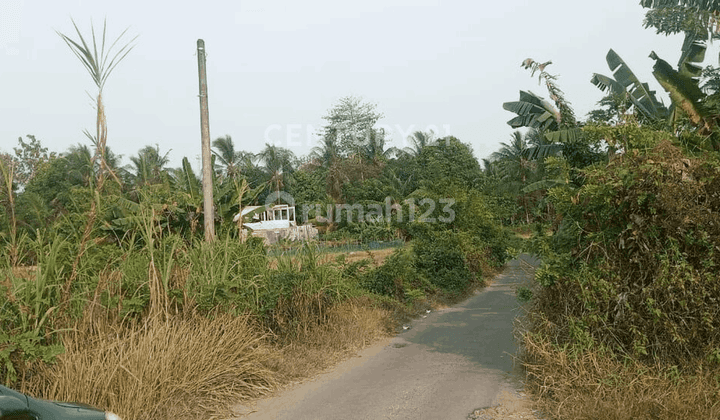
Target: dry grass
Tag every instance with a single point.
(349, 326)
(377, 257)
(198, 367)
(179, 368)
(593, 386)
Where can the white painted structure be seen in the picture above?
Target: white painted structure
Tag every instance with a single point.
(276, 223)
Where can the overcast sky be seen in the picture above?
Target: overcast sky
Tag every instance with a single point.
(276, 66)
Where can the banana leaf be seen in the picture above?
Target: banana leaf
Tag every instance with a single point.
(684, 91)
(565, 136)
(639, 93)
(532, 111)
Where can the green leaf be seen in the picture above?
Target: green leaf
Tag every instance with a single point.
(684, 91)
(533, 112)
(692, 56)
(607, 84)
(565, 136)
(640, 94)
(542, 151)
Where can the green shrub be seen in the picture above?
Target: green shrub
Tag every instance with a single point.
(440, 257)
(224, 273)
(634, 261)
(298, 294)
(399, 278)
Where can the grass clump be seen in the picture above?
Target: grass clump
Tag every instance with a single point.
(190, 366)
(591, 385)
(349, 326)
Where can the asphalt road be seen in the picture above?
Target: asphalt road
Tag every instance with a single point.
(446, 365)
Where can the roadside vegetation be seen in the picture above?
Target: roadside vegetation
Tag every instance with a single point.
(110, 296)
(623, 319)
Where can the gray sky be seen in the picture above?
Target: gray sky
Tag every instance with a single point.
(276, 66)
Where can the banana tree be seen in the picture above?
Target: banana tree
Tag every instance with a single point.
(626, 84)
(557, 131)
(536, 113)
(557, 123)
(682, 84)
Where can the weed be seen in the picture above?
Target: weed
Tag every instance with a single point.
(524, 294)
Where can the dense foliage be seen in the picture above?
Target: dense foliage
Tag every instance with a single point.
(633, 264)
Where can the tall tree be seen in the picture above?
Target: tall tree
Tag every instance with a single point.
(512, 162)
(670, 17)
(515, 169)
(327, 157)
(374, 150)
(420, 140)
(350, 123)
(82, 170)
(29, 156)
(326, 154)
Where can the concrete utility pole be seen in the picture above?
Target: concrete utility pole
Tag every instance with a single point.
(208, 211)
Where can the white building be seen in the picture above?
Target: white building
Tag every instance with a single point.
(275, 223)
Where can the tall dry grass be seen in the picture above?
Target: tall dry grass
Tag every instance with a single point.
(592, 385)
(187, 367)
(348, 327)
(195, 366)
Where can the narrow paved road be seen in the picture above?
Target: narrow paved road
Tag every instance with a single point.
(446, 365)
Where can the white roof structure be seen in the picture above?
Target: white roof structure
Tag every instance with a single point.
(280, 216)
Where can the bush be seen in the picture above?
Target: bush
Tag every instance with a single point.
(297, 295)
(633, 267)
(398, 278)
(439, 256)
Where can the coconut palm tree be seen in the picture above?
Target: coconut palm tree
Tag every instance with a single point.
(232, 161)
(82, 169)
(420, 140)
(149, 166)
(277, 162)
(513, 165)
(514, 168)
(373, 151)
(327, 156)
